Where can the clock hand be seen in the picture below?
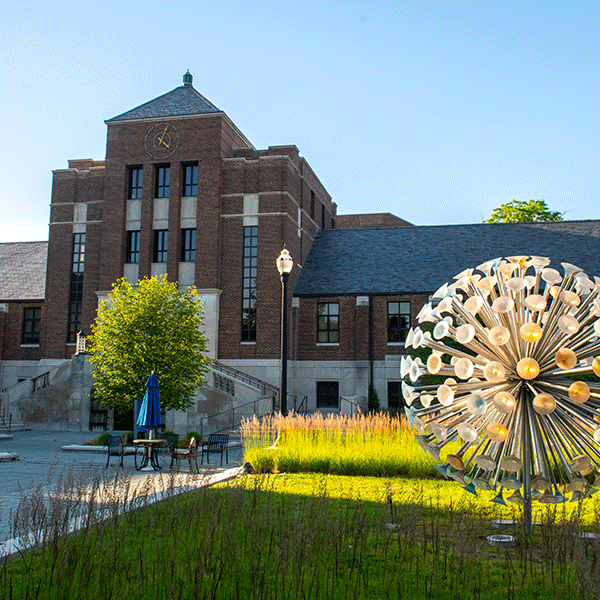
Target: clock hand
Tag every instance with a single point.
(161, 139)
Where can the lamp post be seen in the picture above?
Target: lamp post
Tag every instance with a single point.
(284, 266)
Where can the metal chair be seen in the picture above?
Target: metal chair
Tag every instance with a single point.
(170, 446)
(117, 446)
(191, 455)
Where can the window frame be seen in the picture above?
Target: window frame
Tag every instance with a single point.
(249, 277)
(326, 315)
(160, 246)
(30, 331)
(189, 180)
(162, 181)
(135, 181)
(76, 287)
(188, 250)
(396, 331)
(132, 247)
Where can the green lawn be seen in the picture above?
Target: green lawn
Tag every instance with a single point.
(343, 521)
(312, 536)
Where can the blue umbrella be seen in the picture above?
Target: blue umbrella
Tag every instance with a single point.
(149, 415)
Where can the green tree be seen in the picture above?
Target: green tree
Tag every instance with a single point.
(153, 327)
(524, 211)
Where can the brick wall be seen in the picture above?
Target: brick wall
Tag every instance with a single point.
(370, 220)
(228, 168)
(71, 187)
(11, 330)
(354, 328)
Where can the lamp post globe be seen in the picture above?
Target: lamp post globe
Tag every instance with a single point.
(284, 266)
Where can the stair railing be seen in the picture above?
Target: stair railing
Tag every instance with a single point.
(232, 414)
(262, 386)
(3, 417)
(355, 408)
(303, 408)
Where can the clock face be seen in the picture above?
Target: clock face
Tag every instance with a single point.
(161, 140)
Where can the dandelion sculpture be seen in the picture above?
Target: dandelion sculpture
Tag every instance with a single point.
(513, 397)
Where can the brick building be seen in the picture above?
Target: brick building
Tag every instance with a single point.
(182, 191)
(361, 289)
(22, 292)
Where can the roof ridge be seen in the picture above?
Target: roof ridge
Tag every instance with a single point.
(25, 242)
(445, 226)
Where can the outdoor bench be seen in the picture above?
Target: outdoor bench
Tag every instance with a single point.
(216, 443)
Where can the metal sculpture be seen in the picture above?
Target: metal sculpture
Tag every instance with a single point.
(513, 396)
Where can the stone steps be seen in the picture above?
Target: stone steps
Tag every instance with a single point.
(14, 427)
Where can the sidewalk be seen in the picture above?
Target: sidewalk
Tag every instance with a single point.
(42, 461)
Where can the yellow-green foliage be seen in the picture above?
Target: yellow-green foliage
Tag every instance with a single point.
(152, 327)
(373, 444)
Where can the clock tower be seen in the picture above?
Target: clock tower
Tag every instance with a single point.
(182, 192)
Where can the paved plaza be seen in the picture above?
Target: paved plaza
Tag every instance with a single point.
(42, 461)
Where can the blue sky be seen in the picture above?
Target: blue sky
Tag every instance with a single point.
(435, 111)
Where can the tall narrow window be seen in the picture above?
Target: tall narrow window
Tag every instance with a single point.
(136, 176)
(76, 288)
(328, 322)
(188, 245)
(398, 321)
(132, 252)
(31, 325)
(190, 180)
(312, 205)
(249, 284)
(161, 238)
(162, 182)
(322, 216)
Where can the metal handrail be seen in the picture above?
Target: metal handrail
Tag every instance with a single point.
(40, 381)
(3, 418)
(303, 408)
(261, 385)
(232, 411)
(352, 406)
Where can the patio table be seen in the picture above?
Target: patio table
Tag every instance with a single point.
(150, 454)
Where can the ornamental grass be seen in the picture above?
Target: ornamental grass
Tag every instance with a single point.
(375, 444)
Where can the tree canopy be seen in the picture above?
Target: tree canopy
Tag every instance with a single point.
(523, 211)
(152, 327)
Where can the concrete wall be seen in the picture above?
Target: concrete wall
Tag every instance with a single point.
(59, 402)
(352, 376)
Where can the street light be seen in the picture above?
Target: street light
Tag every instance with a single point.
(284, 266)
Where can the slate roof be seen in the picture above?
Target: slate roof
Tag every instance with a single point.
(182, 101)
(23, 270)
(421, 259)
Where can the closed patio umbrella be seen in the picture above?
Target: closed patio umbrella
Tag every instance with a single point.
(149, 415)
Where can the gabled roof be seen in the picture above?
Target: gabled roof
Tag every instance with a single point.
(421, 259)
(180, 102)
(23, 270)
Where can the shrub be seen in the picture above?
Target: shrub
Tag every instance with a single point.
(373, 403)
